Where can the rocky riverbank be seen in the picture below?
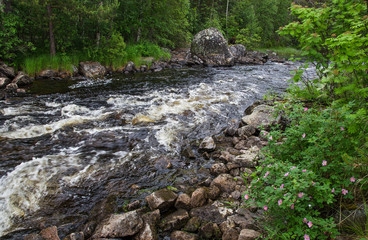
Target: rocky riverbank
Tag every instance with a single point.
(211, 209)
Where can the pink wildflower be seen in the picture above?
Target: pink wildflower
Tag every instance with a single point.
(304, 170)
(270, 138)
(344, 191)
(292, 206)
(305, 220)
(246, 196)
(292, 168)
(286, 174)
(305, 109)
(306, 237)
(310, 224)
(268, 172)
(279, 202)
(264, 134)
(333, 190)
(324, 163)
(300, 194)
(282, 186)
(342, 128)
(352, 179)
(313, 183)
(303, 135)
(265, 207)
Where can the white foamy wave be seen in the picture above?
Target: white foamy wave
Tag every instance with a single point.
(74, 115)
(23, 188)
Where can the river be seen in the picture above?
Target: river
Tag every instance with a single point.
(70, 147)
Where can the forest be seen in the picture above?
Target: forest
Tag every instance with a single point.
(113, 31)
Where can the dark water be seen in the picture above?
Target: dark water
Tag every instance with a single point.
(71, 148)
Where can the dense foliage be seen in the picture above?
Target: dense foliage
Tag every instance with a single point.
(33, 28)
(320, 168)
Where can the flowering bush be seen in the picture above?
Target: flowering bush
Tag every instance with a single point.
(300, 180)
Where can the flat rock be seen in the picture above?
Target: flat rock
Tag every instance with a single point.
(246, 131)
(246, 160)
(48, 73)
(230, 234)
(208, 213)
(119, 225)
(161, 199)
(225, 182)
(180, 235)
(193, 225)
(248, 234)
(210, 231)
(174, 221)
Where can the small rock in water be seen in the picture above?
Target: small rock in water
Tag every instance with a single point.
(208, 144)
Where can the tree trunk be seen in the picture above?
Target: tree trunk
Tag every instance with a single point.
(227, 12)
(51, 32)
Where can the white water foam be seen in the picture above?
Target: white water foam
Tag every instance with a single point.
(23, 188)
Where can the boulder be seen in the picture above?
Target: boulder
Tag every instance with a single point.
(208, 213)
(210, 231)
(7, 71)
(246, 160)
(218, 168)
(211, 47)
(161, 199)
(91, 69)
(22, 79)
(119, 225)
(238, 51)
(174, 221)
(246, 131)
(207, 144)
(180, 235)
(11, 87)
(248, 234)
(183, 202)
(230, 234)
(48, 73)
(261, 116)
(130, 67)
(4, 81)
(50, 233)
(199, 198)
(225, 182)
(193, 225)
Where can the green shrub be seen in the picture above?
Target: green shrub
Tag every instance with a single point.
(310, 173)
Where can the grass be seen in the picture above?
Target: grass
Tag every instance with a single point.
(61, 62)
(33, 65)
(286, 52)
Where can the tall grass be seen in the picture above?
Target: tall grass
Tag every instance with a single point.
(61, 62)
(33, 65)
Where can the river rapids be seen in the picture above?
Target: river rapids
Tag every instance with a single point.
(69, 147)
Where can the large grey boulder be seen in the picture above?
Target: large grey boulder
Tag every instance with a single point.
(92, 69)
(211, 47)
(119, 226)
